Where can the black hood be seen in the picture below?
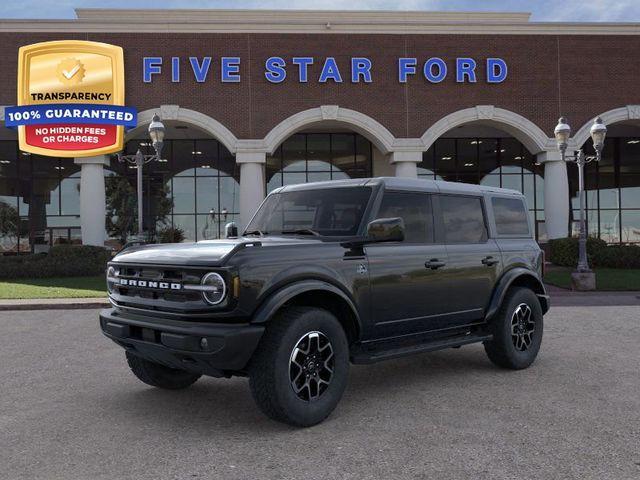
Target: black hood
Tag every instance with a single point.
(206, 252)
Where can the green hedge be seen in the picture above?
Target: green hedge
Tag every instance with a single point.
(61, 261)
(564, 252)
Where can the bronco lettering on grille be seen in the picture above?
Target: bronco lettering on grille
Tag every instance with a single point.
(149, 284)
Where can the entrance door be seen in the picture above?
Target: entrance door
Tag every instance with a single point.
(406, 277)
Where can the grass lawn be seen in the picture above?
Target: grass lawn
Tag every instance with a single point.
(606, 278)
(71, 287)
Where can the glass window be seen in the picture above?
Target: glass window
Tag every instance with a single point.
(343, 152)
(511, 216)
(188, 225)
(467, 155)
(70, 196)
(319, 152)
(415, 211)
(490, 181)
(363, 157)
(182, 160)
(206, 157)
(207, 194)
(511, 155)
(294, 153)
(8, 159)
(609, 225)
(44, 166)
(463, 219)
(229, 194)
(183, 195)
(331, 212)
(445, 160)
(426, 166)
(630, 192)
(629, 155)
(316, 157)
(488, 155)
(631, 226)
(514, 182)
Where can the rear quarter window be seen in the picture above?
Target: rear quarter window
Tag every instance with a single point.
(511, 216)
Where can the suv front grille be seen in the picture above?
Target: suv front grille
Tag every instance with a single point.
(158, 289)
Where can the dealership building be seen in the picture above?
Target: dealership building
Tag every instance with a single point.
(253, 100)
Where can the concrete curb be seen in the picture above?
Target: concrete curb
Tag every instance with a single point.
(559, 298)
(53, 304)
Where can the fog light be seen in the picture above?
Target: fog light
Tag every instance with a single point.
(214, 289)
(204, 344)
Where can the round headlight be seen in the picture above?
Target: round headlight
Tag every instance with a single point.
(215, 288)
(112, 273)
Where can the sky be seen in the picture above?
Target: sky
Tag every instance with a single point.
(542, 10)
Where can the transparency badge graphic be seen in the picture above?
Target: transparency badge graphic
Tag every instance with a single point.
(70, 99)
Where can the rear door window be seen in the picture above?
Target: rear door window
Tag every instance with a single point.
(463, 219)
(511, 216)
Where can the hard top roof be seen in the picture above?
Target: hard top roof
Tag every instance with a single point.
(402, 183)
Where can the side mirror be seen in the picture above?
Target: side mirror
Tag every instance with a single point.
(385, 230)
(231, 230)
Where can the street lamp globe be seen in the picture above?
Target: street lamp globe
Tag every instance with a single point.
(156, 133)
(598, 132)
(562, 133)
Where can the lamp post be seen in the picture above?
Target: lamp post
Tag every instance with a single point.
(156, 133)
(562, 133)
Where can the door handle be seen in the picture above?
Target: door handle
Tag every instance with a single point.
(489, 261)
(434, 264)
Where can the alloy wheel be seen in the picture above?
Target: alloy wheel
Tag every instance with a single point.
(311, 366)
(522, 327)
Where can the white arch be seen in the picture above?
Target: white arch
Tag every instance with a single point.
(200, 120)
(531, 136)
(382, 138)
(630, 112)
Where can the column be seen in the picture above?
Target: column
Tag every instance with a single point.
(252, 184)
(556, 194)
(93, 208)
(406, 163)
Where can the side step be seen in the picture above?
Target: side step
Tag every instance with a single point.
(371, 354)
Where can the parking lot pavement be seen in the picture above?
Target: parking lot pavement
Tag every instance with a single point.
(69, 408)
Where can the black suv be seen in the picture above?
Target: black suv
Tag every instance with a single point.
(331, 273)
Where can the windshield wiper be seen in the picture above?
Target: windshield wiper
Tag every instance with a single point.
(255, 232)
(302, 231)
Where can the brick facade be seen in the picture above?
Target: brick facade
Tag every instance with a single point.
(575, 75)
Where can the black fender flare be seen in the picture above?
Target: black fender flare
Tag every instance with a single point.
(507, 279)
(281, 296)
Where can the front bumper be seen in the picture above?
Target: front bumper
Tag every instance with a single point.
(179, 344)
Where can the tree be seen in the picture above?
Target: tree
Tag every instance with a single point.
(9, 222)
(122, 208)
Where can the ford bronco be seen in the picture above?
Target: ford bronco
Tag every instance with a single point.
(327, 274)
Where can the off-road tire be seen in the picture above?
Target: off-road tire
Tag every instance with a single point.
(269, 368)
(158, 375)
(502, 350)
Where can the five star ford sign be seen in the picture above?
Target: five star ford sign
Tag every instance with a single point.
(70, 99)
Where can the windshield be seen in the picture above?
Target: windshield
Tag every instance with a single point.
(328, 212)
